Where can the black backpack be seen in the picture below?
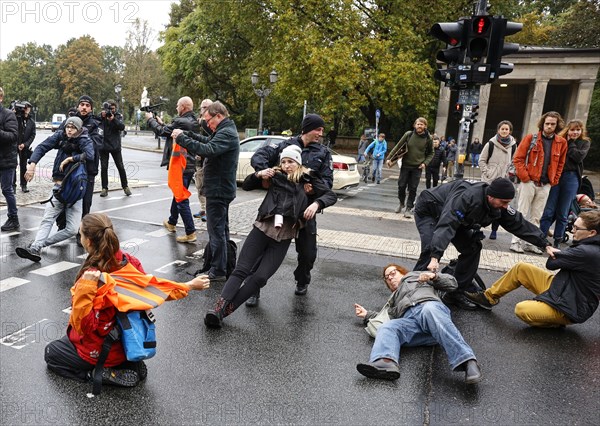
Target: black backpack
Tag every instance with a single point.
(585, 187)
(231, 258)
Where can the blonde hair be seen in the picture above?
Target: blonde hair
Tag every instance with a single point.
(575, 124)
(296, 175)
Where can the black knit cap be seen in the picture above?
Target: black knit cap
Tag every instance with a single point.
(86, 98)
(311, 122)
(501, 188)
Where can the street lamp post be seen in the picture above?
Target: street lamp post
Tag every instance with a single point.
(118, 88)
(262, 92)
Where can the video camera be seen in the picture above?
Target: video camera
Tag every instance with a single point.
(152, 108)
(18, 107)
(107, 108)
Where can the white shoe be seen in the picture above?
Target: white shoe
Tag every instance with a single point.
(399, 208)
(408, 213)
(516, 247)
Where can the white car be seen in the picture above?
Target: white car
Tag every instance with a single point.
(345, 168)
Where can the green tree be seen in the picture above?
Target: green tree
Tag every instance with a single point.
(79, 66)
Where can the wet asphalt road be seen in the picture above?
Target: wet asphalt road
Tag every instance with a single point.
(291, 360)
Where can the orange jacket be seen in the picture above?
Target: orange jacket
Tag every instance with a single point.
(533, 170)
(177, 165)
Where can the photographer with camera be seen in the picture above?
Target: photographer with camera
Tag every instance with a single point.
(8, 163)
(26, 126)
(112, 124)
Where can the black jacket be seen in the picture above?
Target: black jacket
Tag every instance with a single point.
(221, 151)
(575, 289)
(112, 133)
(186, 122)
(577, 150)
(439, 157)
(96, 135)
(28, 133)
(315, 157)
(9, 133)
(289, 199)
(460, 206)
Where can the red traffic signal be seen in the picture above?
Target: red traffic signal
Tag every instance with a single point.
(478, 37)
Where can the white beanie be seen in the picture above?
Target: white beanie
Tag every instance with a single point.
(294, 152)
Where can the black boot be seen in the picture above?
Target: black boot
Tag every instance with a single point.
(12, 224)
(214, 317)
(458, 298)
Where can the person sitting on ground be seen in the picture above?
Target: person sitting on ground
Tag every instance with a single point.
(418, 318)
(73, 145)
(569, 297)
(268, 242)
(75, 355)
(585, 202)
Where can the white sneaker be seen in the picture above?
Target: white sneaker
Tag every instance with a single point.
(399, 208)
(408, 213)
(516, 247)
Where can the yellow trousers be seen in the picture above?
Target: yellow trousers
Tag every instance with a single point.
(537, 281)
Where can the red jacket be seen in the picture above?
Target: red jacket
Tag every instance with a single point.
(533, 170)
(88, 326)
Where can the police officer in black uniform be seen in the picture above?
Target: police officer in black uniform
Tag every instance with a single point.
(318, 158)
(26, 136)
(454, 213)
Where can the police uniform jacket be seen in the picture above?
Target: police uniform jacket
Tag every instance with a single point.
(8, 139)
(575, 289)
(28, 132)
(461, 206)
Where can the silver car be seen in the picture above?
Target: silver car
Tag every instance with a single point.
(345, 168)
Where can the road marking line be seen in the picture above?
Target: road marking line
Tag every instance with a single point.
(133, 242)
(46, 271)
(9, 234)
(13, 340)
(169, 265)
(12, 282)
(135, 205)
(115, 198)
(158, 233)
(68, 310)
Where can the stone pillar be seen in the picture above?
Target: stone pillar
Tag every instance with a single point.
(443, 111)
(535, 106)
(484, 102)
(583, 100)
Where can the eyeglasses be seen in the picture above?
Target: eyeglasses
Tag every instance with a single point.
(577, 228)
(391, 274)
(70, 126)
(208, 121)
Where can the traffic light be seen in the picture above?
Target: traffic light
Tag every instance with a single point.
(457, 113)
(453, 34)
(501, 28)
(478, 40)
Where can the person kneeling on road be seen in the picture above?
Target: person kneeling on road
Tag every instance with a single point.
(417, 318)
(455, 213)
(93, 316)
(569, 297)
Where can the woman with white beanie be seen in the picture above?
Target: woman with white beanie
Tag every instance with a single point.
(281, 215)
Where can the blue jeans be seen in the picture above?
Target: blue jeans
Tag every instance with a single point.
(559, 203)
(51, 212)
(425, 324)
(475, 160)
(183, 209)
(377, 168)
(217, 225)
(7, 177)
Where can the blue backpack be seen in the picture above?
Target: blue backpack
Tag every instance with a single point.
(73, 186)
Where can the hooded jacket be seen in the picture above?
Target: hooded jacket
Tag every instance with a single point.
(575, 289)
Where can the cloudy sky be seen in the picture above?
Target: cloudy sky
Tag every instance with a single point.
(55, 22)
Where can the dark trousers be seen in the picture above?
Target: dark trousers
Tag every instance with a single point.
(62, 358)
(409, 176)
(306, 247)
(217, 225)
(118, 159)
(183, 209)
(7, 177)
(432, 173)
(24, 155)
(466, 243)
(259, 259)
(89, 193)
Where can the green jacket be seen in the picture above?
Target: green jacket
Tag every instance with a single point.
(420, 148)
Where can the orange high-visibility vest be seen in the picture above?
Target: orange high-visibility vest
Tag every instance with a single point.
(177, 165)
(130, 290)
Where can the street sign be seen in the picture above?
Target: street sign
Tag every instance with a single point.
(377, 114)
(468, 96)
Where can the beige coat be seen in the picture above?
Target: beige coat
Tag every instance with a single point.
(497, 166)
